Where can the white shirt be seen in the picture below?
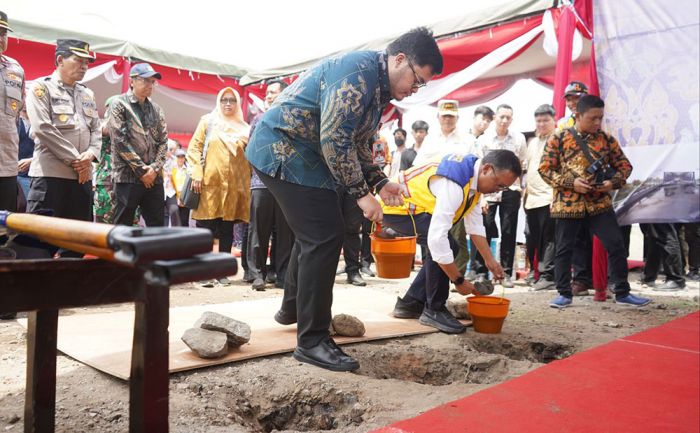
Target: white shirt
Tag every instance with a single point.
(539, 193)
(449, 195)
(513, 141)
(437, 146)
(395, 162)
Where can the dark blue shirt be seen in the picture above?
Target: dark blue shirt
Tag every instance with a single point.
(26, 143)
(318, 131)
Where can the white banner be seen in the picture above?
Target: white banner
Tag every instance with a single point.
(647, 59)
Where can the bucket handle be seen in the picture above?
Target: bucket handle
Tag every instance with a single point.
(415, 230)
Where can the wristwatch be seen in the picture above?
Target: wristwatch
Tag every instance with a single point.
(459, 280)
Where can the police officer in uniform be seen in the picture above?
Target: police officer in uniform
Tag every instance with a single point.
(66, 125)
(11, 91)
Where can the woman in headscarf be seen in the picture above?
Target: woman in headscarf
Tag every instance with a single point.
(224, 181)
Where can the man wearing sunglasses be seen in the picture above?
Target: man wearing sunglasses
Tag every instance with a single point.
(139, 145)
(315, 138)
(442, 193)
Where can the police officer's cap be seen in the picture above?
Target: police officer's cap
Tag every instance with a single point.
(575, 88)
(144, 70)
(4, 22)
(74, 47)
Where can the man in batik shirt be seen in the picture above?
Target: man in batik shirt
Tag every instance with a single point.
(315, 138)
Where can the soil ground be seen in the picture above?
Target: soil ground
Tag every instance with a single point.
(398, 378)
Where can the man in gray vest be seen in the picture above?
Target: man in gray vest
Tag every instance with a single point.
(66, 126)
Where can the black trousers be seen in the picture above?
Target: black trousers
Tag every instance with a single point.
(582, 259)
(664, 249)
(692, 237)
(220, 229)
(66, 198)
(507, 211)
(265, 214)
(130, 196)
(541, 236)
(431, 285)
(315, 218)
(366, 255)
(605, 227)
(352, 244)
(8, 193)
(173, 215)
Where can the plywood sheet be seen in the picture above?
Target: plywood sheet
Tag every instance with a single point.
(104, 340)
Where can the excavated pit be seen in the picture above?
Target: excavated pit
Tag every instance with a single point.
(478, 359)
(318, 405)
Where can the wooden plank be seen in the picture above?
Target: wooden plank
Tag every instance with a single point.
(67, 285)
(104, 340)
(40, 397)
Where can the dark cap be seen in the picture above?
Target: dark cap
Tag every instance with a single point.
(575, 88)
(4, 22)
(68, 47)
(144, 70)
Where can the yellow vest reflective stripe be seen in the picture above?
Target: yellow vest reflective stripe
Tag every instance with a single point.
(419, 197)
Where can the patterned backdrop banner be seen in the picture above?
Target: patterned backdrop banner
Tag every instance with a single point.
(647, 58)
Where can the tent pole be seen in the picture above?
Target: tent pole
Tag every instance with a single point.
(245, 102)
(126, 68)
(565, 38)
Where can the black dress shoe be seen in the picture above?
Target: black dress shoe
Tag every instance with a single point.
(258, 284)
(247, 276)
(693, 276)
(441, 320)
(270, 278)
(407, 308)
(356, 279)
(284, 318)
(328, 355)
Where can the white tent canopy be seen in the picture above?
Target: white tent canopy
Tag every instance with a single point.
(236, 37)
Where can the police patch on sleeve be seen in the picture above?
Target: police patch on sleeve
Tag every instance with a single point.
(39, 91)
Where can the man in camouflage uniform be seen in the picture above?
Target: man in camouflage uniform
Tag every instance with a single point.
(104, 192)
(139, 142)
(67, 132)
(11, 91)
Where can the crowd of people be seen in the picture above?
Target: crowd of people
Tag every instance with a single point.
(310, 174)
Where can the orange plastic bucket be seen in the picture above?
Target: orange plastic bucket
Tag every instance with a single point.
(488, 313)
(393, 257)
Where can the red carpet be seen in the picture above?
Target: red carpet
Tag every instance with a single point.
(644, 383)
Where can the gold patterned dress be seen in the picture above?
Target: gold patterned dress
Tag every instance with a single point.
(226, 172)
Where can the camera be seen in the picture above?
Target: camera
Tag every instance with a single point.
(601, 170)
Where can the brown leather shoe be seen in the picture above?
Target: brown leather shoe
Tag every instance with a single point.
(579, 288)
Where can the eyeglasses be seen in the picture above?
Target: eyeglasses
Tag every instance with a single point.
(499, 187)
(149, 81)
(417, 80)
(228, 101)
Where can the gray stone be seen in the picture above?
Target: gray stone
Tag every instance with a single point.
(612, 325)
(238, 332)
(457, 306)
(348, 326)
(206, 344)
